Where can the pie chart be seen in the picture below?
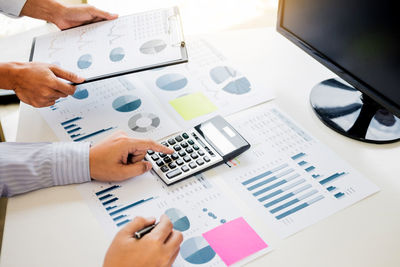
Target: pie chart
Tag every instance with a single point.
(117, 54)
(143, 122)
(126, 103)
(178, 219)
(153, 47)
(80, 93)
(237, 84)
(85, 61)
(172, 82)
(196, 250)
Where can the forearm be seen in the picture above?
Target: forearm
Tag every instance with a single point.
(43, 9)
(30, 166)
(7, 75)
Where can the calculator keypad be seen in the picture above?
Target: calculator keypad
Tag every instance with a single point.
(190, 156)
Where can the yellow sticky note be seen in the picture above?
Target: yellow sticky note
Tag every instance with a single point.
(193, 106)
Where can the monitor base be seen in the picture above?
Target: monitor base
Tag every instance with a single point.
(353, 114)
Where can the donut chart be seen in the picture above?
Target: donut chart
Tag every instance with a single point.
(143, 122)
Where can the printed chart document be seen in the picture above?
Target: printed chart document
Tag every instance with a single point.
(110, 48)
(214, 232)
(157, 103)
(288, 177)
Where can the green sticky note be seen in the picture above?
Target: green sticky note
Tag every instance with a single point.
(193, 106)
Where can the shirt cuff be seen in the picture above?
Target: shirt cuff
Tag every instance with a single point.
(71, 163)
(12, 7)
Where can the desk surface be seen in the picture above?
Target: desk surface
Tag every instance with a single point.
(54, 227)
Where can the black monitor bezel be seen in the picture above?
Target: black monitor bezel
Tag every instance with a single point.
(337, 69)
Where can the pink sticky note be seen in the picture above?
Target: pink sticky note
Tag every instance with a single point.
(234, 240)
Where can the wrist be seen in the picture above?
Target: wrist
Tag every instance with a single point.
(48, 10)
(9, 73)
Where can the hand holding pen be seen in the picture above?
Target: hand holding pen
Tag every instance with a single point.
(161, 240)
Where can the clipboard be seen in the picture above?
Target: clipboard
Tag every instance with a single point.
(128, 44)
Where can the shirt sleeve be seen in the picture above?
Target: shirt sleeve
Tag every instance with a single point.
(30, 166)
(12, 7)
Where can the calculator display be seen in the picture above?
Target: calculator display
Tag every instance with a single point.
(217, 138)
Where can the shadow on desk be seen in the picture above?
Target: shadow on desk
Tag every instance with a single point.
(3, 208)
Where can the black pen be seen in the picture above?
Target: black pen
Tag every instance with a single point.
(139, 234)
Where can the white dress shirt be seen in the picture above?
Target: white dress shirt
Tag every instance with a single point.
(12, 7)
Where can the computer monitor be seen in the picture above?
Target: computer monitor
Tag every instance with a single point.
(359, 40)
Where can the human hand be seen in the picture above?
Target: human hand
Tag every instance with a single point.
(64, 16)
(120, 157)
(37, 83)
(158, 248)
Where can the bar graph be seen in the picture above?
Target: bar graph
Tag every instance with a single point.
(77, 133)
(109, 199)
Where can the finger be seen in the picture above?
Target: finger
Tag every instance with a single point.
(163, 229)
(172, 259)
(64, 88)
(66, 75)
(174, 240)
(137, 158)
(137, 224)
(134, 169)
(102, 14)
(144, 145)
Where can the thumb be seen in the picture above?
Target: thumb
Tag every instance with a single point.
(66, 75)
(135, 169)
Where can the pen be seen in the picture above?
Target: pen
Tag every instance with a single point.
(139, 234)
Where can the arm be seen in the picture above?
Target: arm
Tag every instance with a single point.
(30, 166)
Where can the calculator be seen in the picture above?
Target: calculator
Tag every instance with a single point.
(197, 149)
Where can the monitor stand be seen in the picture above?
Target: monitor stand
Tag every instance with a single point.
(353, 114)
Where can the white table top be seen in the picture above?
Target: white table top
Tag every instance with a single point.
(54, 227)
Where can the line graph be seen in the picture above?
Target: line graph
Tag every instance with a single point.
(53, 48)
(82, 42)
(112, 35)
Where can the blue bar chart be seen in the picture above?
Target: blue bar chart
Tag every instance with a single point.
(77, 133)
(110, 201)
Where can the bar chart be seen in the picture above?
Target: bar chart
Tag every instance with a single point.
(76, 133)
(108, 198)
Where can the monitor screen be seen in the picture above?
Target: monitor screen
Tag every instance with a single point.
(359, 40)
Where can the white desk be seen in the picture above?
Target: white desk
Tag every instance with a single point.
(54, 227)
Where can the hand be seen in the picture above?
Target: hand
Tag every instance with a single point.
(119, 157)
(158, 248)
(37, 83)
(81, 14)
(64, 16)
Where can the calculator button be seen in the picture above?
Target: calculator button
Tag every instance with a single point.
(164, 143)
(167, 159)
(174, 156)
(191, 142)
(184, 145)
(195, 147)
(189, 150)
(171, 141)
(185, 168)
(200, 152)
(155, 157)
(162, 155)
(200, 162)
(185, 135)
(187, 158)
(150, 152)
(177, 147)
(179, 138)
(164, 168)
(182, 153)
(172, 165)
(174, 173)
(206, 159)
(159, 163)
(192, 165)
(194, 156)
(179, 162)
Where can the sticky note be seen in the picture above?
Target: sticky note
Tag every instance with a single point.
(234, 241)
(193, 105)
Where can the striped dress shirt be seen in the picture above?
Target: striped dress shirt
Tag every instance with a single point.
(30, 166)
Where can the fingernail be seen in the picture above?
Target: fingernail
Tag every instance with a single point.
(148, 166)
